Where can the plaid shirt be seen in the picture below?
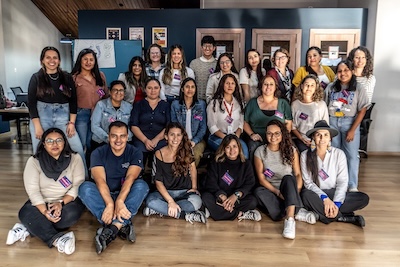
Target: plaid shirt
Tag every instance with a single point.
(152, 73)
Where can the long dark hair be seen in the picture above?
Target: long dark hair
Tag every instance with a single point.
(218, 67)
(353, 81)
(182, 95)
(169, 67)
(184, 156)
(219, 94)
(44, 85)
(308, 68)
(248, 66)
(220, 155)
(143, 75)
(285, 146)
(95, 71)
(67, 151)
(369, 65)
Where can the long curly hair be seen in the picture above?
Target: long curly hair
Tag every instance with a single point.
(169, 67)
(249, 68)
(184, 156)
(219, 94)
(218, 67)
(369, 65)
(285, 146)
(44, 85)
(318, 94)
(95, 71)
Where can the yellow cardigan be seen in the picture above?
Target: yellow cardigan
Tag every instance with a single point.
(301, 73)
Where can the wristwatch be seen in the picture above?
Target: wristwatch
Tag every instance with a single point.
(237, 194)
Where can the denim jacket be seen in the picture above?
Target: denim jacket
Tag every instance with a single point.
(199, 118)
(103, 114)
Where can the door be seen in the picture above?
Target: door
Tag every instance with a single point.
(228, 40)
(266, 41)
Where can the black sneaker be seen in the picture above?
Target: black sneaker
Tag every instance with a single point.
(356, 220)
(104, 236)
(127, 232)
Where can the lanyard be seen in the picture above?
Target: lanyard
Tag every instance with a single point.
(227, 110)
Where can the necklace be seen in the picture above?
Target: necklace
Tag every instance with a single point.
(54, 78)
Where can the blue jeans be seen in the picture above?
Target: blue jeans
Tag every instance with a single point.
(91, 197)
(214, 142)
(55, 115)
(343, 125)
(187, 202)
(82, 126)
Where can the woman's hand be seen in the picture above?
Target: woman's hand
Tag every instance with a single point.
(149, 144)
(70, 129)
(55, 209)
(192, 143)
(194, 191)
(256, 137)
(173, 209)
(279, 194)
(306, 142)
(331, 210)
(38, 132)
(350, 135)
(229, 203)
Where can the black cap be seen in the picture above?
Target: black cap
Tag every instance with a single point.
(322, 125)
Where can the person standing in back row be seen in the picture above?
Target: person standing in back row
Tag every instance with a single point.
(205, 65)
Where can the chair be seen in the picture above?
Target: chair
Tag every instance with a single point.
(22, 98)
(364, 130)
(16, 91)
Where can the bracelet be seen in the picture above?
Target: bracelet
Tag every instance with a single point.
(70, 122)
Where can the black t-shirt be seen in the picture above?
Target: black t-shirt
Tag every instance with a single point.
(164, 174)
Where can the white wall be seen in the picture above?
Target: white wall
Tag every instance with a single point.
(24, 31)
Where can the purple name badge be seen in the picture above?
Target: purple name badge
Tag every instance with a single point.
(177, 77)
(198, 117)
(303, 116)
(268, 173)
(111, 119)
(345, 93)
(323, 175)
(100, 92)
(211, 70)
(227, 178)
(65, 182)
(229, 119)
(279, 114)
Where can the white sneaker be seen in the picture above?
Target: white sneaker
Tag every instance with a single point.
(306, 216)
(196, 216)
(253, 215)
(207, 212)
(355, 189)
(18, 232)
(147, 212)
(289, 229)
(66, 243)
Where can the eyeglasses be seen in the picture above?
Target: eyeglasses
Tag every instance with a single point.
(227, 62)
(50, 142)
(155, 53)
(276, 134)
(208, 46)
(118, 91)
(281, 58)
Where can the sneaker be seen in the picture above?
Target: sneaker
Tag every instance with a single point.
(127, 232)
(253, 215)
(196, 216)
(355, 219)
(306, 216)
(289, 229)
(18, 232)
(147, 212)
(104, 236)
(207, 212)
(66, 243)
(355, 189)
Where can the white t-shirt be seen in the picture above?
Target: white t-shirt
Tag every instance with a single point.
(252, 81)
(173, 88)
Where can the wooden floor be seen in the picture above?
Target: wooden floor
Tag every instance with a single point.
(170, 242)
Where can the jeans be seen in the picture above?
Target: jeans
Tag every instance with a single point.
(252, 146)
(343, 125)
(353, 201)
(214, 142)
(38, 225)
(91, 197)
(187, 202)
(55, 115)
(82, 126)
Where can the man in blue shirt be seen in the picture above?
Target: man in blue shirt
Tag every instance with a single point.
(118, 191)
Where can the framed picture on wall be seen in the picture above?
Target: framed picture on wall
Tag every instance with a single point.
(136, 34)
(159, 36)
(113, 33)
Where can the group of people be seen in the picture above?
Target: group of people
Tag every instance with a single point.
(284, 142)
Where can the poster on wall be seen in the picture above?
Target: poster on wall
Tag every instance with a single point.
(113, 33)
(104, 50)
(136, 34)
(333, 52)
(159, 36)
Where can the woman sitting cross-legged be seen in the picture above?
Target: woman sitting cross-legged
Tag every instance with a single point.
(278, 170)
(324, 171)
(176, 179)
(230, 179)
(51, 178)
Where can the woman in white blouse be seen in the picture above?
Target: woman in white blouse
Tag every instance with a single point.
(324, 171)
(225, 113)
